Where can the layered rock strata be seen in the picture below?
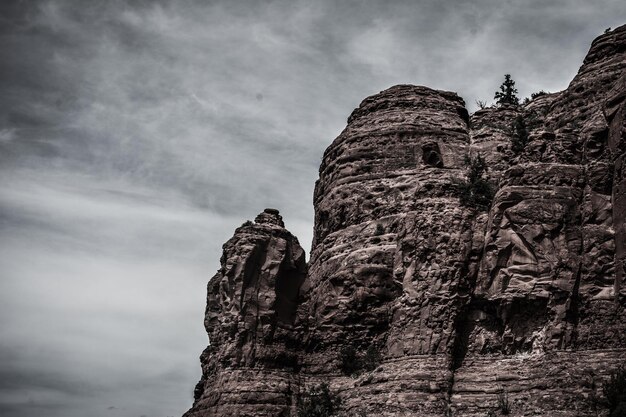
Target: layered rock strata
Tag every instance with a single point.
(392, 245)
(249, 367)
(548, 292)
(463, 308)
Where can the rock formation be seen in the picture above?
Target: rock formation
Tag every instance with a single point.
(462, 308)
(249, 367)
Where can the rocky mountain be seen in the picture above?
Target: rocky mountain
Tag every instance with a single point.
(414, 304)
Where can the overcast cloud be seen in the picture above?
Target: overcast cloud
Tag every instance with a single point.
(136, 135)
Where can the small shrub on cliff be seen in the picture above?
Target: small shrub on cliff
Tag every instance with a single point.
(481, 104)
(614, 391)
(353, 363)
(519, 135)
(534, 96)
(476, 191)
(319, 401)
(538, 94)
(503, 403)
(348, 360)
(372, 358)
(507, 93)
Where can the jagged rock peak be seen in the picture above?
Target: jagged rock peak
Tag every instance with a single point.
(270, 216)
(251, 310)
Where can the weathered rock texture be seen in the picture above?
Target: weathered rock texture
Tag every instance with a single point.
(527, 299)
(249, 368)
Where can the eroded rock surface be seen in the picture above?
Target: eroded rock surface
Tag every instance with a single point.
(249, 367)
(461, 306)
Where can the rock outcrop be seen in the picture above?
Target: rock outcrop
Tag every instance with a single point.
(249, 367)
(391, 247)
(455, 309)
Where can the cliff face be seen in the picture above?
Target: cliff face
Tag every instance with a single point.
(459, 305)
(249, 368)
(392, 246)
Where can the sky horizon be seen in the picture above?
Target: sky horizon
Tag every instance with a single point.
(135, 136)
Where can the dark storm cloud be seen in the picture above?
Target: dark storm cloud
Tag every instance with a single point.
(136, 135)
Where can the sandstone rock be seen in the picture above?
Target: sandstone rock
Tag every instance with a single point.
(547, 308)
(248, 368)
(461, 307)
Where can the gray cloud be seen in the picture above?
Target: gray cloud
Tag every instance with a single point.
(136, 135)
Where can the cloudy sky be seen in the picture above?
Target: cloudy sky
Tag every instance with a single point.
(136, 135)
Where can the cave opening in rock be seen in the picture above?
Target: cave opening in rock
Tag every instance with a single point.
(431, 155)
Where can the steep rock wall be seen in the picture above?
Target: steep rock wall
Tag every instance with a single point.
(547, 317)
(527, 299)
(391, 247)
(249, 367)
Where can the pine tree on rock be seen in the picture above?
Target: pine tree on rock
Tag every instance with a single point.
(507, 93)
